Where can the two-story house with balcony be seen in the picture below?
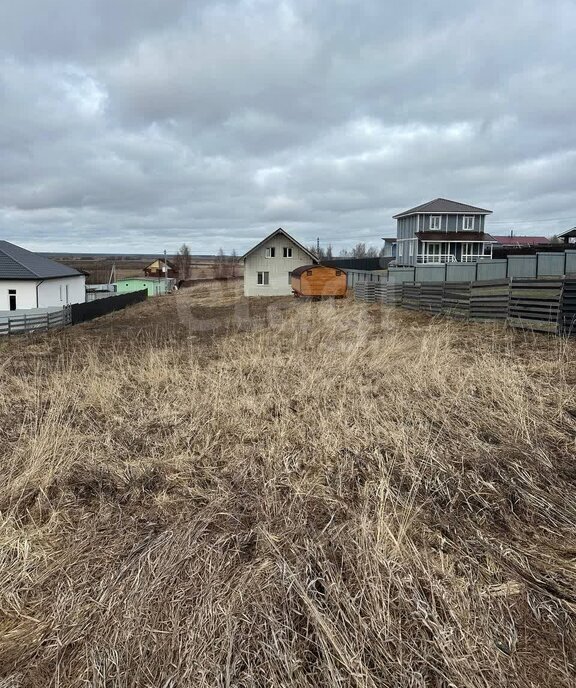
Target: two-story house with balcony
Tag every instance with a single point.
(442, 231)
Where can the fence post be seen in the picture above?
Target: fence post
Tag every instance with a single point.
(25, 325)
(9, 326)
(47, 321)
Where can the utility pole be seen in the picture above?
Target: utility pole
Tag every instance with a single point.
(318, 248)
(165, 266)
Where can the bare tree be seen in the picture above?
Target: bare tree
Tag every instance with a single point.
(314, 251)
(329, 251)
(220, 271)
(234, 264)
(360, 251)
(183, 262)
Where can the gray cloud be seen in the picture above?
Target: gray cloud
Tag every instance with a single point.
(140, 124)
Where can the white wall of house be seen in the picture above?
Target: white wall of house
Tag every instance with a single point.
(25, 293)
(51, 293)
(62, 291)
(277, 268)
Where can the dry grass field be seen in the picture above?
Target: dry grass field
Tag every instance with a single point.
(201, 492)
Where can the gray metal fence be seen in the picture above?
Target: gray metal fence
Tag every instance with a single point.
(525, 267)
(355, 276)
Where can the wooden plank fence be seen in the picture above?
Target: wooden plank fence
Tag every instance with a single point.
(490, 300)
(38, 322)
(69, 315)
(543, 305)
(456, 299)
(568, 311)
(411, 295)
(431, 296)
(535, 304)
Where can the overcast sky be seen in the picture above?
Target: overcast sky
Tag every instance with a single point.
(140, 124)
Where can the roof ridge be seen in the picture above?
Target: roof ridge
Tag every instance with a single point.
(288, 236)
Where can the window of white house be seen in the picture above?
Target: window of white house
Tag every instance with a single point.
(411, 248)
(12, 299)
(270, 252)
(60, 292)
(264, 278)
(435, 221)
(287, 252)
(400, 248)
(468, 221)
(289, 278)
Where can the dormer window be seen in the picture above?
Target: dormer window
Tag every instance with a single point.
(468, 222)
(270, 252)
(435, 221)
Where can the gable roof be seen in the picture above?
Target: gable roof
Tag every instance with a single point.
(507, 240)
(285, 234)
(568, 232)
(18, 263)
(443, 205)
(161, 262)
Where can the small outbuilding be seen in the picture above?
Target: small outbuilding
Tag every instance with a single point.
(155, 286)
(318, 281)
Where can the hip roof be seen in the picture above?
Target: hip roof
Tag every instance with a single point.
(18, 263)
(443, 206)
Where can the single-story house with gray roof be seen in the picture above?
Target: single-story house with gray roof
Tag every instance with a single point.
(29, 280)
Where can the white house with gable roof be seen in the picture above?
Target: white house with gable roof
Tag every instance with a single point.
(268, 265)
(29, 280)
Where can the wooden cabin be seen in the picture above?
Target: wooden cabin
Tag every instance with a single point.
(318, 281)
(158, 269)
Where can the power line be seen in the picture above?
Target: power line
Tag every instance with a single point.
(531, 222)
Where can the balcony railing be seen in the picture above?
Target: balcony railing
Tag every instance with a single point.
(473, 259)
(448, 258)
(435, 258)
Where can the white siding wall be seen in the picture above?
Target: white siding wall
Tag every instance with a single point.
(25, 294)
(278, 268)
(49, 292)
